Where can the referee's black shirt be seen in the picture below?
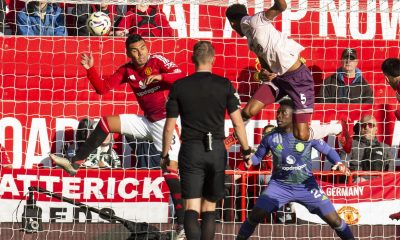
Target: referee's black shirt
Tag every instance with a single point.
(201, 99)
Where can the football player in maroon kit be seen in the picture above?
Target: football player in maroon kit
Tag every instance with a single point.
(150, 77)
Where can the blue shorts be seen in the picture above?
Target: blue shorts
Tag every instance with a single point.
(277, 194)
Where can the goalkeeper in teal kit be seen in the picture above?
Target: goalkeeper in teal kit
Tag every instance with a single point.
(292, 179)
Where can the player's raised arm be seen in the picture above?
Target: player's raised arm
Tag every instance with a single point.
(332, 156)
(276, 9)
(261, 152)
(87, 60)
(102, 86)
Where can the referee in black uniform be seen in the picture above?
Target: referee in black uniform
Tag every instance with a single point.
(201, 100)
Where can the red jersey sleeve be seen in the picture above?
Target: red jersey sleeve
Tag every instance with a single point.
(169, 71)
(103, 86)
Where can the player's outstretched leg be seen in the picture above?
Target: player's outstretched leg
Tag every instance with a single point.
(339, 225)
(255, 217)
(303, 131)
(344, 137)
(95, 139)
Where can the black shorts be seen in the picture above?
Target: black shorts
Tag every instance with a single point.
(202, 173)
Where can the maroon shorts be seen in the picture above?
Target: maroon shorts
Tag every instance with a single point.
(298, 85)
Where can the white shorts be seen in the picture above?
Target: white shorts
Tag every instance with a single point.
(141, 128)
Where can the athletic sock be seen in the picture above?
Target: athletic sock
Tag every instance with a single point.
(321, 131)
(172, 180)
(207, 225)
(95, 139)
(246, 230)
(192, 225)
(344, 231)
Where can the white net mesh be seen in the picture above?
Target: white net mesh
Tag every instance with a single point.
(45, 93)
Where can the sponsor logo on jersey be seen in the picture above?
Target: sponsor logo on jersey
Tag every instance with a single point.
(349, 214)
(294, 167)
(142, 85)
(279, 147)
(148, 71)
(132, 77)
(290, 159)
(299, 147)
(148, 91)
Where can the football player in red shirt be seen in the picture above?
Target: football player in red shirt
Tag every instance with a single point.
(150, 77)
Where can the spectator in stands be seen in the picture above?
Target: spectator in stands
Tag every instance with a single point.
(391, 70)
(368, 154)
(102, 157)
(83, 11)
(41, 19)
(347, 85)
(3, 9)
(145, 20)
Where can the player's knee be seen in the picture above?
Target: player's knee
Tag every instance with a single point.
(336, 223)
(111, 123)
(246, 114)
(334, 220)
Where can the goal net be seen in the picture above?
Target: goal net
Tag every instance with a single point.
(45, 94)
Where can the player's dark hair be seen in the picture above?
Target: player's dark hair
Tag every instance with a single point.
(133, 39)
(203, 51)
(287, 102)
(391, 67)
(236, 12)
